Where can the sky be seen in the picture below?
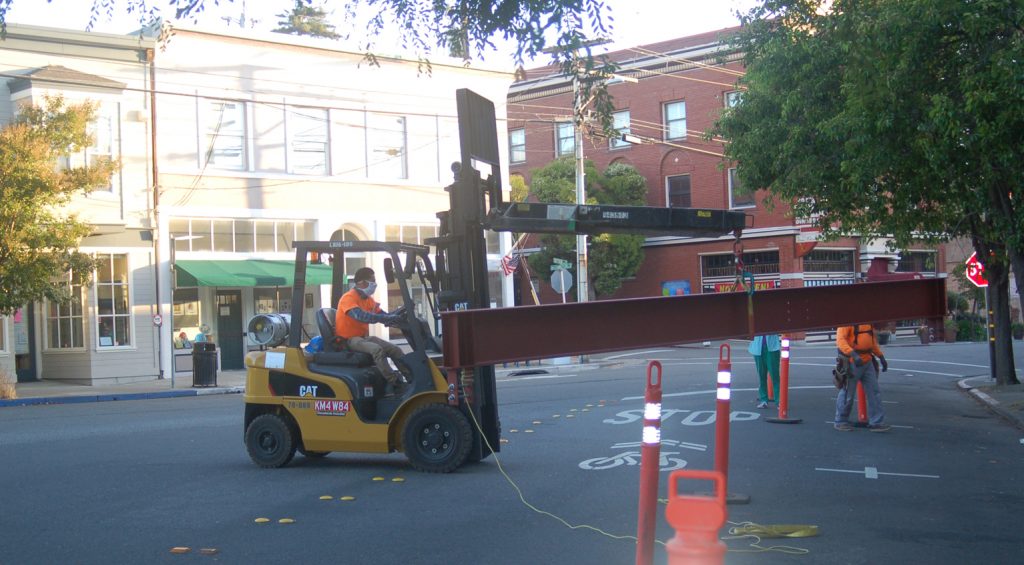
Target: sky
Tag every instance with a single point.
(636, 22)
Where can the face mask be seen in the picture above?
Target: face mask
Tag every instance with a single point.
(369, 290)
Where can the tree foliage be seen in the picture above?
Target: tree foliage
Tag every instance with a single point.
(890, 119)
(610, 257)
(465, 28)
(306, 19)
(38, 241)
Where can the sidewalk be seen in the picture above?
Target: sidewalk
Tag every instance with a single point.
(228, 382)
(55, 392)
(1006, 401)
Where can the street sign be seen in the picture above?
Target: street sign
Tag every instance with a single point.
(976, 271)
(559, 264)
(561, 281)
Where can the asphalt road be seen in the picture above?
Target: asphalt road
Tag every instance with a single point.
(126, 482)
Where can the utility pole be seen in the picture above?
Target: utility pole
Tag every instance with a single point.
(578, 107)
(582, 286)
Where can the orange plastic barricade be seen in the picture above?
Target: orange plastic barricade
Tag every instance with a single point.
(696, 520)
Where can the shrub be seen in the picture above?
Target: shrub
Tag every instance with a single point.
(7, 390)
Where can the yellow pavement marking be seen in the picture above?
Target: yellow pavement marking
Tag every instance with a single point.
(346, 498)
(326, 497)
(556, 415)
(529, 431)
(512, 431)
(535, 422)
(209, 551)
(504, 440)
(570, 416)
(378, 478)
(181, 549)
(397, 480)
(286, 521)
(261, 520)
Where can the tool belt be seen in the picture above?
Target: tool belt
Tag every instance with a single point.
(843, 370)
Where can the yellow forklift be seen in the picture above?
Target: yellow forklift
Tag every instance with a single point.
(334, 400)
(316, 403)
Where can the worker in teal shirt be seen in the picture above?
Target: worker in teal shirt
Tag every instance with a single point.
(766, 352)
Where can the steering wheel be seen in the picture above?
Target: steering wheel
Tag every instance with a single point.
(400, 311)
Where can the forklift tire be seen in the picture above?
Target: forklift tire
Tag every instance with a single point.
(270, 441)
(437, 438)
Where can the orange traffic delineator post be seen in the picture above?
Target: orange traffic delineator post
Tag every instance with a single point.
(723, 395)
(862, 406)
(650, 453)
(784, 388)
(696, 520)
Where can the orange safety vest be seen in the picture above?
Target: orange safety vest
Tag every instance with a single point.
(346, 326)
(860, 340)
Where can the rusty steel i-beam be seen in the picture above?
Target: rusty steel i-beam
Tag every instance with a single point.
(498, 335)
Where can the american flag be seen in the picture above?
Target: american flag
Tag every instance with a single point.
(509, 264)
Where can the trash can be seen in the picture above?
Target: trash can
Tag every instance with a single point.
(204, 364)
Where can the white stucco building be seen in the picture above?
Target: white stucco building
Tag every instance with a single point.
(259, 139)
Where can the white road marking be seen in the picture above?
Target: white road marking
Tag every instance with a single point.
(873, 473)
(631, 353)
(832, 423)
(536, 377)
(830, 365)
(713, 391)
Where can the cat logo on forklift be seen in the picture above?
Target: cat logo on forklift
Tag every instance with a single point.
(332, 407)
(307, 390)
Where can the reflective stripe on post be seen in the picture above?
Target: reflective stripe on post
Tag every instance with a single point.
(650, 453)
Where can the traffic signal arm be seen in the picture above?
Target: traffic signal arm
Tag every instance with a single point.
(598, 219)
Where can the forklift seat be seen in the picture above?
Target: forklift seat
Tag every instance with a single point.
(325, 323)
(335, 352)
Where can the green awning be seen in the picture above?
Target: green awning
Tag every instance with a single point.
(246, 272)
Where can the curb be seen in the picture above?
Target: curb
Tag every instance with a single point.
(991, 403)
(81, 399)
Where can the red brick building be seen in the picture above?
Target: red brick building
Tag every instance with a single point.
(682, 87)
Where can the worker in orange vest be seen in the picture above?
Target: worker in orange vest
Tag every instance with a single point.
(858, 345)
(356, 311)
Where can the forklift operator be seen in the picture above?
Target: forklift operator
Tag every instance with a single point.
(356, 311)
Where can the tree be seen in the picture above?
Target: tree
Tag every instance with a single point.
(38, 242)
(890, 119)
(465, 28)
(611, 257)
(306, 19)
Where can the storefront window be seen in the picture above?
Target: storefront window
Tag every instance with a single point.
(271, 300)
(64, 322)
(113, 319)
(185, 311)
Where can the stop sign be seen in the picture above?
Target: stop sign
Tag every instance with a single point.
(976, 271)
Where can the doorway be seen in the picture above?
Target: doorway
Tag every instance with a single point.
(25, 344)
(229, 330)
